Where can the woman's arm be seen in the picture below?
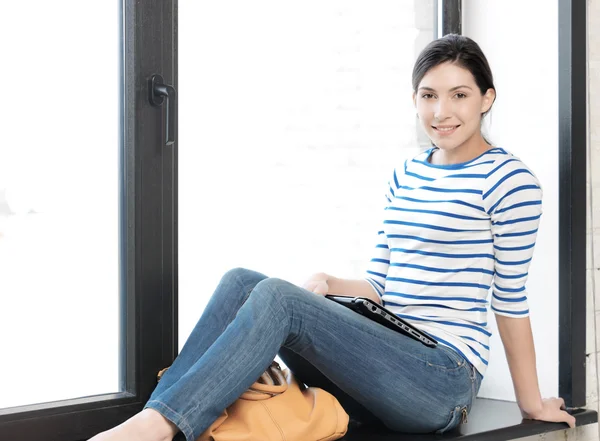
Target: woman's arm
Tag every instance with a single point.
(352, 288)
(520, 353)
(517, 339)
(322, 283)
(512, 196)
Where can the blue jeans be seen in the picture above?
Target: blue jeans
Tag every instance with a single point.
(377, 374)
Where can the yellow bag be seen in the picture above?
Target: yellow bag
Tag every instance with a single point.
(277, 408)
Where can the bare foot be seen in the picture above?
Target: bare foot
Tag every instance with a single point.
(148, 425)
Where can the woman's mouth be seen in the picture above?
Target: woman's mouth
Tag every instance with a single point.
(445, 131)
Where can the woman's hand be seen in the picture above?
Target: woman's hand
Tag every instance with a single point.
(317, 283)
(551, 411)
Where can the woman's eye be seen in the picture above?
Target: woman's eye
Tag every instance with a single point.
(427, 96)
(462, 95)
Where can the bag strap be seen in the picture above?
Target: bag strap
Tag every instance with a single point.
(161, 373)
(271, 383)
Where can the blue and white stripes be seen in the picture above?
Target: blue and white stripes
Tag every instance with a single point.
(449, 235)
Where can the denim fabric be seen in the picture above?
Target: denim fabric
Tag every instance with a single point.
(379, 375)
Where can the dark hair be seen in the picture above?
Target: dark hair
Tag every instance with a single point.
(460, 50)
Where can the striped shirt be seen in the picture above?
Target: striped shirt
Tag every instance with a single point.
(450, 234)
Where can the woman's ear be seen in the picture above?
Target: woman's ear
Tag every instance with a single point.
(415, 99)
(488, 100)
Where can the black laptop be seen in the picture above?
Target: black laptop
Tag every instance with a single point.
(375, 311)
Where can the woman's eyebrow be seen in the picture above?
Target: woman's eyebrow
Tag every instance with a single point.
(451, 90)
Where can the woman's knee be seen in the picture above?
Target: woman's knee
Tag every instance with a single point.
(275, 285)
(239, 282)
(279, 290)
(243, 276)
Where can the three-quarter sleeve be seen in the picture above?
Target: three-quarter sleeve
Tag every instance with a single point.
(377, 267)
(512, 197)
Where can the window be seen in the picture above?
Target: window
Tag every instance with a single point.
(87, 240)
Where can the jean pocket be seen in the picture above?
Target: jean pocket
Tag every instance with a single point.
(450, 360)
(456, 416)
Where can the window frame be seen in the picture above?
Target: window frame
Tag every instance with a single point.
(148, 239)
(573, 134)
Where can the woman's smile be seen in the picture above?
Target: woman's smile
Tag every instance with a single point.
(445, 130)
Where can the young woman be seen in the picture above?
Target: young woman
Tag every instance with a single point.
(460, 219)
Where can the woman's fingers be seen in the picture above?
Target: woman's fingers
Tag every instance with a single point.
(560, 414)
(552, 411)
(316, 286)
(317, 283)
(321, 288)
(567, 418)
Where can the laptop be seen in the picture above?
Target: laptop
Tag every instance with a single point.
(385, 317)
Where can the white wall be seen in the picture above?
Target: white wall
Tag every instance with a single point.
(292, 117)
(521, 44)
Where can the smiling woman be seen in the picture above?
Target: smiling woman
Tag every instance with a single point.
(481, 238)
(453, 91)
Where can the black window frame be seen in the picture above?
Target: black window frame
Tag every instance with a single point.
(572, 134)
(148, 237)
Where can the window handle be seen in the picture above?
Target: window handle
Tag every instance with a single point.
(158, 91)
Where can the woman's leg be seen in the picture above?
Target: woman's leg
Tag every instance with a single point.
(231, 293)
(405, 384)
(308, 374)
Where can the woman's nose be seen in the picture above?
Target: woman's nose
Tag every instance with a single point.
(442, 110)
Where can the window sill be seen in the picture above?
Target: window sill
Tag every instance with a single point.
(490, 420)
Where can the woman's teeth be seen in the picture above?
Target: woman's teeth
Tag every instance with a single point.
(446, 130)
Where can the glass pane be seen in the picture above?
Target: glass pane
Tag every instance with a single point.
(289, 128)
(59, 267)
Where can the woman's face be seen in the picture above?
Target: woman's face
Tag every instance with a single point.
(449, 105)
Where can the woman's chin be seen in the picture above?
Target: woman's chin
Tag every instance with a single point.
(445, 144)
